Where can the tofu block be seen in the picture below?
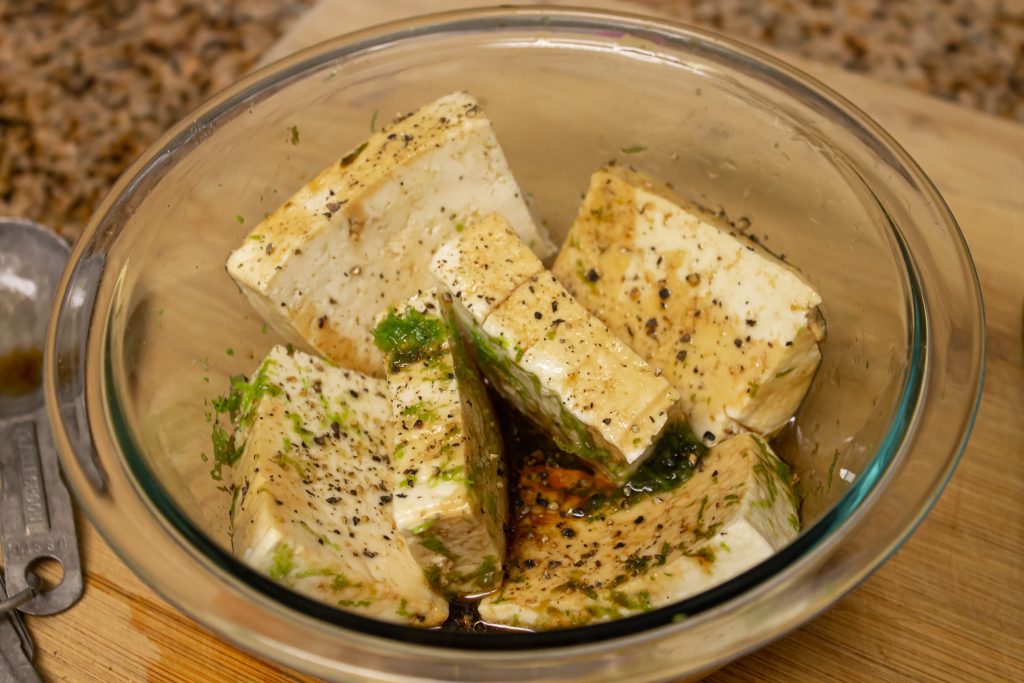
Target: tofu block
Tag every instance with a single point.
(359, 237)
(559, 365)
(468, 267)
(733, 328)
(448, 469)
(581, 557)
(313, 498)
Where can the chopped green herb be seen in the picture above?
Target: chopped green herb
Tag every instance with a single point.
(423, 527)
(662, 556)
(832, 471)
(373, 128)
(451, 474)
(441, 370)
(284, 461)
(641, 600)
(577, 585)
(784, 372)
(281, 563)
(322, 540)
(700, 512)
(705, 554)
(433, 576)
(421, 411)
(224, 450)
(240, 218)
(486, 574)
(265, 328)
(234, 502)
(295, 135)
(237, 407)
(673, 462)
(229, 351)
(355, 603)
(638, 564)
(768, 481)
(409, 337)
(634, 149)
(581, 270)
(435, 544)
(316, 571)
(353, 155)
(304, 434)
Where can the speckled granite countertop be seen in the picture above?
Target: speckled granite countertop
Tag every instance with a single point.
(86, 85)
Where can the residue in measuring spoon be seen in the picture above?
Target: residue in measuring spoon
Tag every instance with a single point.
(20, 371)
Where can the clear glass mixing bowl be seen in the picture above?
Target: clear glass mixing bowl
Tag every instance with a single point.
(146, 314)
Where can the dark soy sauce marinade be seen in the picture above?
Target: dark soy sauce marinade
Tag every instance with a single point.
(21, 371)
(541, 474)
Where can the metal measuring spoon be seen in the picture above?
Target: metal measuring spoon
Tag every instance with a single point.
(36, 519)
(16, 649)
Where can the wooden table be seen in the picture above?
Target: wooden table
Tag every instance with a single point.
(948, 607)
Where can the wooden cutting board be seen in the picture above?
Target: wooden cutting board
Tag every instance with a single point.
(948, 607)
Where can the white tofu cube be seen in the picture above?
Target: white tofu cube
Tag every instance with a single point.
(733, 328)
(313, 497)
(451, 496)
(560, 366)
(637, 553)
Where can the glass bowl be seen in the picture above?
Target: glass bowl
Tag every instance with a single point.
(149, 326)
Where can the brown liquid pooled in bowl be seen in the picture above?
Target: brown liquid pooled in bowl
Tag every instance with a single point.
(543, 475)
(21, 371)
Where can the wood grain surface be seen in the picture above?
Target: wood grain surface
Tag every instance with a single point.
(948, 607)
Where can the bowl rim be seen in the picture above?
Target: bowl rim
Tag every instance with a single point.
(772, 570)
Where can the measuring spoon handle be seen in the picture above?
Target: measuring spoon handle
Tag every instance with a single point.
(36, 517)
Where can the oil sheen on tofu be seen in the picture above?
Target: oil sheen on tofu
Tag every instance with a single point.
(734, 329)
(547, 355)
(358, 238)
(451, 497)
(313, 498)
(573, 563)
